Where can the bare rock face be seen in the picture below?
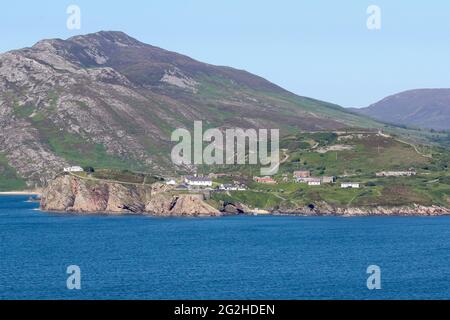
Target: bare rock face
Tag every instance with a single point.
(234, 208)
(324, 209)
(72, 194)
(159, 205)
(59, 195)
(192, 205)
(413, 210)
(180, 205)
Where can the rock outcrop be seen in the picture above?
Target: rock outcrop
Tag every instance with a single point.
(180, 205)
(324, 209)
(68, 193)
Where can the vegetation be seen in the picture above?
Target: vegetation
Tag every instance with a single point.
(125, 176)
(9, 179)
(369, 153)
(76, 149)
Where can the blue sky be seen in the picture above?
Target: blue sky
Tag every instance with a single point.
(321, 49)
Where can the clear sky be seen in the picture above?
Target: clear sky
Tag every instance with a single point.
(317, 48)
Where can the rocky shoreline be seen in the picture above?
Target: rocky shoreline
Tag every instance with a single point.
(413, 210)
(82, 196)
(71, 194)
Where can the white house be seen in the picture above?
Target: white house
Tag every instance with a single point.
(232, 187)
(171, 182)
(198, 181)
(73, 169)
(350, 185)
(314, 182)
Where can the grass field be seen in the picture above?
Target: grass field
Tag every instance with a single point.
(367, 155)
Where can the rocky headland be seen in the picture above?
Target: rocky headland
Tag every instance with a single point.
(72, 194)
(68, 193)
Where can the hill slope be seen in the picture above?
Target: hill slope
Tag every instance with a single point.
(422, 108)
(108, 100)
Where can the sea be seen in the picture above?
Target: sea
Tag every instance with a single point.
(236, 257)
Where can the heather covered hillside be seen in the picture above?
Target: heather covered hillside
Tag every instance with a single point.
(107, 100)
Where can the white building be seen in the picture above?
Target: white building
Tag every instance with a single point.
(198, 181)
(171, 182)
(73, 169)
(316, 182)
(408, 173)
(232, 187)
(350, 185)
(326, 179)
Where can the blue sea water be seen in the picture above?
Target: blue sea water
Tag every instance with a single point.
(263, 257)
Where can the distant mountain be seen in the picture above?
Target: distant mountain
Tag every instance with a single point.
(108, 100)
(422, 108)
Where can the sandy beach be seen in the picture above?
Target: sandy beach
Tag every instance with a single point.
(20, 193)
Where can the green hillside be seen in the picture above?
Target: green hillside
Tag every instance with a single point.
(351, 157)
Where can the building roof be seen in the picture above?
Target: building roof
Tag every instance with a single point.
(198, 179)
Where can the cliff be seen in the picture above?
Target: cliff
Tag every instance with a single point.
(72, 194)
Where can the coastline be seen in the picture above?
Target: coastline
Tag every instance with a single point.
(20, 193)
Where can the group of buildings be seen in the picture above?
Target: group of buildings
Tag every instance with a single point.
(198, 182)
(408, 173)
(304, 176)
(300, 176)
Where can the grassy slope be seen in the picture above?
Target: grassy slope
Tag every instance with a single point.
(9, 179)
(430, 186)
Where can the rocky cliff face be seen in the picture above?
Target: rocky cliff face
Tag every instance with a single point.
(324, 209)
(72, 194)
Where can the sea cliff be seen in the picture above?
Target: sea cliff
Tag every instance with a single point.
(68, 193)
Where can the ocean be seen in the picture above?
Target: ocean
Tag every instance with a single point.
(239, 257)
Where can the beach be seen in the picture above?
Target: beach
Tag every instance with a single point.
(20, 193)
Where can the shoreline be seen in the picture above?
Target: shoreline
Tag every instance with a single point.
(250, 214)
(20, 193)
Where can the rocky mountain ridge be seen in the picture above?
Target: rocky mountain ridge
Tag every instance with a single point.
(110, 101)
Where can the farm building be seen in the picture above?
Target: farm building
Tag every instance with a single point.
(198, 181)
(350, 185)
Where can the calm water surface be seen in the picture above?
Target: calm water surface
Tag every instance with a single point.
(220, 258)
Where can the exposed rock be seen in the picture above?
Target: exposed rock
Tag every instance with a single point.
(180, 205)
(59, 195)
(233, 208)
(68, 193)
(192, 205)
(324, 209)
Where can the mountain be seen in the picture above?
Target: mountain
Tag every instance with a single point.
(422, 108)
(108, 100)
